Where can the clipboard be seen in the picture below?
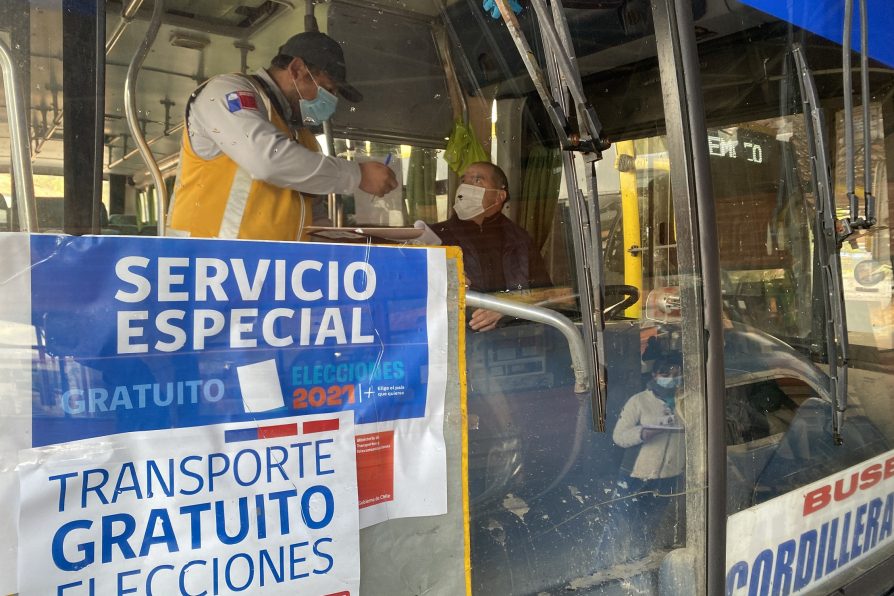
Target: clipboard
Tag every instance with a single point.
(364, 234)
(663, 427)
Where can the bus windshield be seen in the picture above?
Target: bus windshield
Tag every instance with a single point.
(653, 240)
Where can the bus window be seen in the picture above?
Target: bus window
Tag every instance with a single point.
(637, 218)
(779, 428)
(625, 499)
(422, 195)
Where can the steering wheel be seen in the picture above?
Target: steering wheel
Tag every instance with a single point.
(629, 294)
(629, 297)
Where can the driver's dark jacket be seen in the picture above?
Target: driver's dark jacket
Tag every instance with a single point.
(498, 255)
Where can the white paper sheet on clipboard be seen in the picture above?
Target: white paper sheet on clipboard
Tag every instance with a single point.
(370, 210)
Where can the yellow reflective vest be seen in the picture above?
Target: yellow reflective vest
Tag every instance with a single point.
(215, 198)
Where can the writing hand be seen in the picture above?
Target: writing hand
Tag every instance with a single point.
(376, 178)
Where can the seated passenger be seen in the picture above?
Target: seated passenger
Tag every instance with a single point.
(498, 255)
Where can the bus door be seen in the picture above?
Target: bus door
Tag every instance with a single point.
(560, 503)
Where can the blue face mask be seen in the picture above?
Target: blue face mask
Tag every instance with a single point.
(668, 382)
(316, 111)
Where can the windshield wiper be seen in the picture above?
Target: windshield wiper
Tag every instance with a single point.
(563, 80)
(828, 235)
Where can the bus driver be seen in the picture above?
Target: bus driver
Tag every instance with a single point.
(246, 154)
(498, 254)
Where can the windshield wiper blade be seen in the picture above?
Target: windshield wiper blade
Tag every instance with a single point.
(828, 236)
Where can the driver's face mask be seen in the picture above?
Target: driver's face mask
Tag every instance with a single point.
(469, 201)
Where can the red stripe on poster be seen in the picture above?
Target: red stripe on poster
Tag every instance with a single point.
(280, 430)
(319, 426)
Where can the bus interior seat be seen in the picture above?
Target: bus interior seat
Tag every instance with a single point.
(127, 230)
(757, 418)
(103, 216)
(120, 219)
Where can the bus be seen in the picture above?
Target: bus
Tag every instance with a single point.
(707, 184)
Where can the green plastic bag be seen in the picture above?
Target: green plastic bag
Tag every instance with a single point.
(463, 149)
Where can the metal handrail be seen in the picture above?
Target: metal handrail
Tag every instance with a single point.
(19, 140)
(538, 314)
(133, 123)
(127, 16)
(165, 134)
(128, 13)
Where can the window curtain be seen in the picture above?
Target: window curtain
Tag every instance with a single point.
(540, 192)
(421, 200)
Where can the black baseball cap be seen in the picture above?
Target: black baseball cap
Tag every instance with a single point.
(322, 52)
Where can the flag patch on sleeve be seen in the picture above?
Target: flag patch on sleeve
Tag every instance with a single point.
(241, 100)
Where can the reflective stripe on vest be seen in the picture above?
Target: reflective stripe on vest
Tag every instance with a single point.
(232, 217)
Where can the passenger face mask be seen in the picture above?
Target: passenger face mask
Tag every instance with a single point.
(316, 111)
(469, 201)
(668, 382)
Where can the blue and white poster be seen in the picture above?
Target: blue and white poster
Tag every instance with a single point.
(129, 345)
(235, 508)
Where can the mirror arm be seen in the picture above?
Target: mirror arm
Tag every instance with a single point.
(553, 109)
(554, 29)
(868, 219)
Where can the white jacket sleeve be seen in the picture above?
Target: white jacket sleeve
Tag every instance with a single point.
(628, 431)
(247, 136)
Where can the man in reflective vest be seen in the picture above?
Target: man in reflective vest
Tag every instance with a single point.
(247, 156)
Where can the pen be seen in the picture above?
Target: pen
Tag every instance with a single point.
(388, 159)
